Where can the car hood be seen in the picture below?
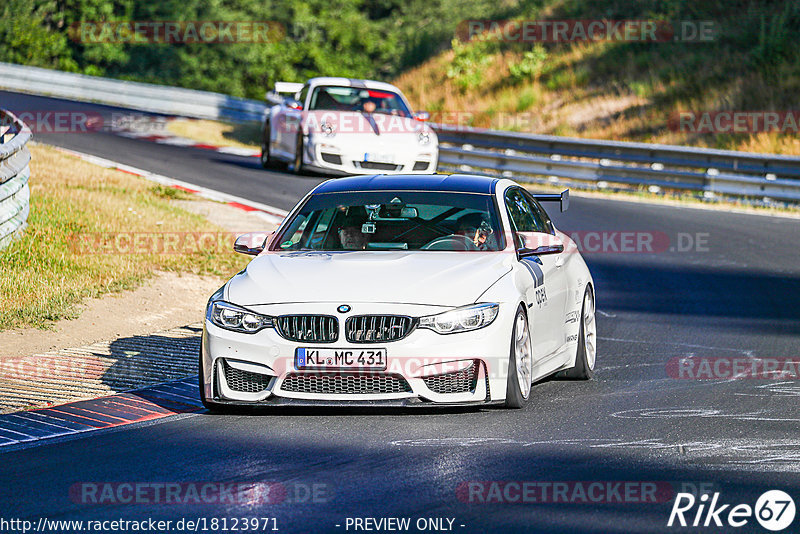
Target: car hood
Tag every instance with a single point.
(433, 278)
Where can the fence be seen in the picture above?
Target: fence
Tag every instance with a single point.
(14, 174)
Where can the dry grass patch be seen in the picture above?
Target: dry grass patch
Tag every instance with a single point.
(245, 135)
(76, 205)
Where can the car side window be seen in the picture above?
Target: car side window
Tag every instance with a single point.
(522, 213)
(540, 214)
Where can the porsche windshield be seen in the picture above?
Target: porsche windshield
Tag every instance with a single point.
(394, 220)
(331, 98)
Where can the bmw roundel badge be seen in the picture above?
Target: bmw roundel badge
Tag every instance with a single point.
(344, 308)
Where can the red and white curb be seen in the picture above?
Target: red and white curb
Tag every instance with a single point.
(268, 213)
(174, 140)
(24, 429)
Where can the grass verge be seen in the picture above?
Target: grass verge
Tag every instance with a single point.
(81, 237)
(245, 135)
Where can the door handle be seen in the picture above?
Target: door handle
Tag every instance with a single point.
(559, 262)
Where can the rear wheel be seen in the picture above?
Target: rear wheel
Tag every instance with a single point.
(587, 342)
(520, 363)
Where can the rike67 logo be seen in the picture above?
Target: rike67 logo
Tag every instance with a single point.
(774, 510)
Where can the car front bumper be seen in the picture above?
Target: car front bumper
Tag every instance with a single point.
(350, 158)
(423, 368)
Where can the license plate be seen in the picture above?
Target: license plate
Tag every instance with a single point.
(323, 358)
(379, 158)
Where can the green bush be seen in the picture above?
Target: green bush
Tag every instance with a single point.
(529, 67)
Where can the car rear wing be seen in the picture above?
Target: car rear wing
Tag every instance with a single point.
(562, 198)
(283, 91)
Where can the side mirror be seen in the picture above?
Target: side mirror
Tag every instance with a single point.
(422, 116)
(295, 104)
(252, 243)
(538, 244)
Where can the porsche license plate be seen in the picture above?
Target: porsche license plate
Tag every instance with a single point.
(323, 358)
(379, 158)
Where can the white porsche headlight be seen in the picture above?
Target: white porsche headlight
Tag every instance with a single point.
(232, 317)
(462, 319)
(424, 138)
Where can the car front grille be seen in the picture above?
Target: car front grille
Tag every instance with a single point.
(345, 384)
(308, 328)
(377, 165)
(463, 381)
(245, 381)
(377, 328)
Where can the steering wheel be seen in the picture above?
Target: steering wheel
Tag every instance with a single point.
(450, 242)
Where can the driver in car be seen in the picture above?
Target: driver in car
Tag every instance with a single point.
(351, 235)
(477, 229)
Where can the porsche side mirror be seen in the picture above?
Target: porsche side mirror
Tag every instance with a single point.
(252, 243)
(538, 244)
(422, 116)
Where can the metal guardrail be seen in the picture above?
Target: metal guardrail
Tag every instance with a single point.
(525, 157)
(542, 158)
(14, 174)
(132, 95)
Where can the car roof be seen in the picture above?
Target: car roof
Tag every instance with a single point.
(452, 183)
(351, 82)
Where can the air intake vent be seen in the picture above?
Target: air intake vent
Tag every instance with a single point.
(377, 166)
(245, 381)
(463, 381)
(345, 384)
(308, 328)
(377, 328)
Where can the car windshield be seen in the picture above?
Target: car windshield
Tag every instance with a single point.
(394, 220)
(334, 98)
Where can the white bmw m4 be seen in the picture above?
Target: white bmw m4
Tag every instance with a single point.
(402, 290)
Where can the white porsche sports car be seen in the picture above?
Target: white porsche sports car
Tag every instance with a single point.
(402, 290)
(342, 126)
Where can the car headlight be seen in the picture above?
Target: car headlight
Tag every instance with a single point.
(424, 138)
(232, 317)
(462, 319)
(327, 129)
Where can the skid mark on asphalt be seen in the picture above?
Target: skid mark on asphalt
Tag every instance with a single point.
(24, 429)
(749, 454)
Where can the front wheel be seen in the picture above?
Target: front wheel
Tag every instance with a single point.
(520, 363)
(587, 342)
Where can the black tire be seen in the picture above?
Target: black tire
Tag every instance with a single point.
(582, 370)
(298, 155)
(266, 161)
(515, 398)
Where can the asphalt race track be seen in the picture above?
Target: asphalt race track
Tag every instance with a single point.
(733, 295)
